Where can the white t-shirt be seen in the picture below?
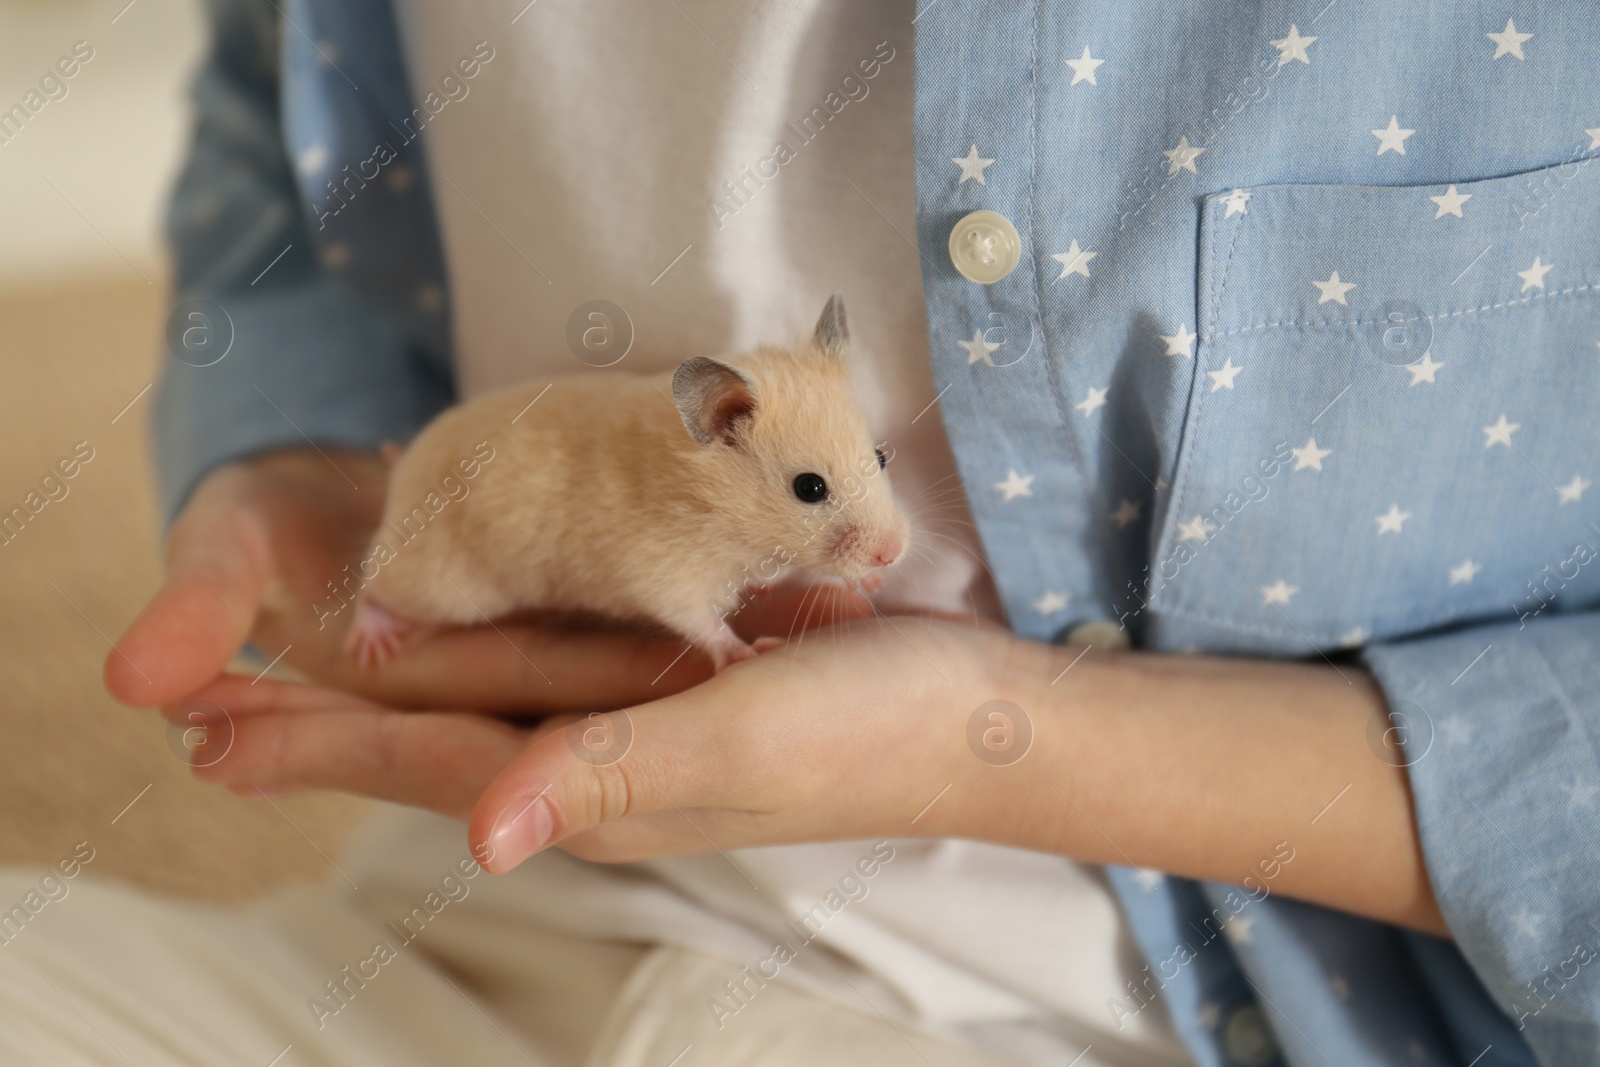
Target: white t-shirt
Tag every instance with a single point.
(630, 152)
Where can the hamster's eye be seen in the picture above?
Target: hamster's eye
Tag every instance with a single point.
(883, 460)
(810, 488)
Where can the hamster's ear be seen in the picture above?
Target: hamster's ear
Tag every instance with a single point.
(832, 335)
(711, 397)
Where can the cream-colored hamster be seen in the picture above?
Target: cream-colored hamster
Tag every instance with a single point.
(665, 498)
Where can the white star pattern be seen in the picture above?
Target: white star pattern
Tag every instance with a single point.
(1333, 289)
(1310, 457)
(1293, 46)
(1074, 260)
(1533, 277)
(1089, 166)
(1051, 602)
(1527, 922)
(1392, 520)
(1508, 42)
(1572, 492)
(978, 349)
(1180, 343)
(1580, 795)
(1238, 930)
(1392, 138)
(1424, 369)
(1093, 402)
(1223, 379)
(972, 166)
(1182, 157)
(1015, 485)
(1450, 202)
(1083, 68)
(1381, 417)
(1500, 433)
(1279, 592)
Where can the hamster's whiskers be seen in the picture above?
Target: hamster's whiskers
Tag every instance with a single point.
(807, 603)
(941, 481)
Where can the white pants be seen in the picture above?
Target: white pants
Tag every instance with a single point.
(399, 960)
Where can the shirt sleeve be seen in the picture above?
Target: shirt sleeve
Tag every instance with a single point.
(264, 348)
(1498, 729)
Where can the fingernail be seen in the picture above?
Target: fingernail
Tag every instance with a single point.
(519, 832)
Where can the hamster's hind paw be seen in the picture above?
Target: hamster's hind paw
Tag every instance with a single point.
(767, 644)
(377, 636)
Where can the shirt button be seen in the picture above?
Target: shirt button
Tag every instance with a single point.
(984, 247)
(1101, 633)
(1247, 1040)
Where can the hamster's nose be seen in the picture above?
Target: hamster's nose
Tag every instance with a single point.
(889, 550)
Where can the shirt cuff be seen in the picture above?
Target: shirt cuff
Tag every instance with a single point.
(1498, 729)
(300, 366)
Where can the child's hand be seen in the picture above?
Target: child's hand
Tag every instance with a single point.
(895, 727)
(250, 559)
(847, 731)
(854, 731)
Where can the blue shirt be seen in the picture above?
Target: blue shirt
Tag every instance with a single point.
(1299, 360)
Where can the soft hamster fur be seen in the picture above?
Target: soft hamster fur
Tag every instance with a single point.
(598, 497)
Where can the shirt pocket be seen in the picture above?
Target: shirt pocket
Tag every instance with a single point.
(1392, 421)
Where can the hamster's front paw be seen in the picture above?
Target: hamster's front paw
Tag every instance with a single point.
(725, 649)
(870, 583)
(767, 644)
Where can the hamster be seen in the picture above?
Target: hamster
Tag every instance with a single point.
(660, 498)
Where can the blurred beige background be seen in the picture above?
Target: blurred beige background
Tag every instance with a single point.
(82, 299)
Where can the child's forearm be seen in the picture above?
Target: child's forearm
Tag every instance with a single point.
(1273, 775)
